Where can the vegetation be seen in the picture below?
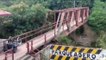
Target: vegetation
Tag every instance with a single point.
(97, 21)
(65, 40)
(101, 41)
(97, 18)
(24, 18)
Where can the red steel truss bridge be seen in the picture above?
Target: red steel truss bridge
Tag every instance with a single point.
(66, 20)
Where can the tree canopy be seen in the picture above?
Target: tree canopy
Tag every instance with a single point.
(98, 16)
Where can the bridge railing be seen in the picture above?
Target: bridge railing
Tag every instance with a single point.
(31, 34)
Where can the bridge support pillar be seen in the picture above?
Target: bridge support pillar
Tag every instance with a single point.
(28, 47)
(5, 56)
(70, 19)
(60, 19)
(45, 40)
(32, 46)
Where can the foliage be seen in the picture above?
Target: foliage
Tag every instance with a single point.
(24, 18)
(97, 19)
(101, 41)
(61, 4)
(65, 40)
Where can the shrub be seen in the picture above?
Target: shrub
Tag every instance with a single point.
(97, 18)
(101, 41)
(65, 40)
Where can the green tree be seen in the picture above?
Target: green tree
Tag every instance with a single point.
(97, 18)
(24, 18)
(61, 4)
